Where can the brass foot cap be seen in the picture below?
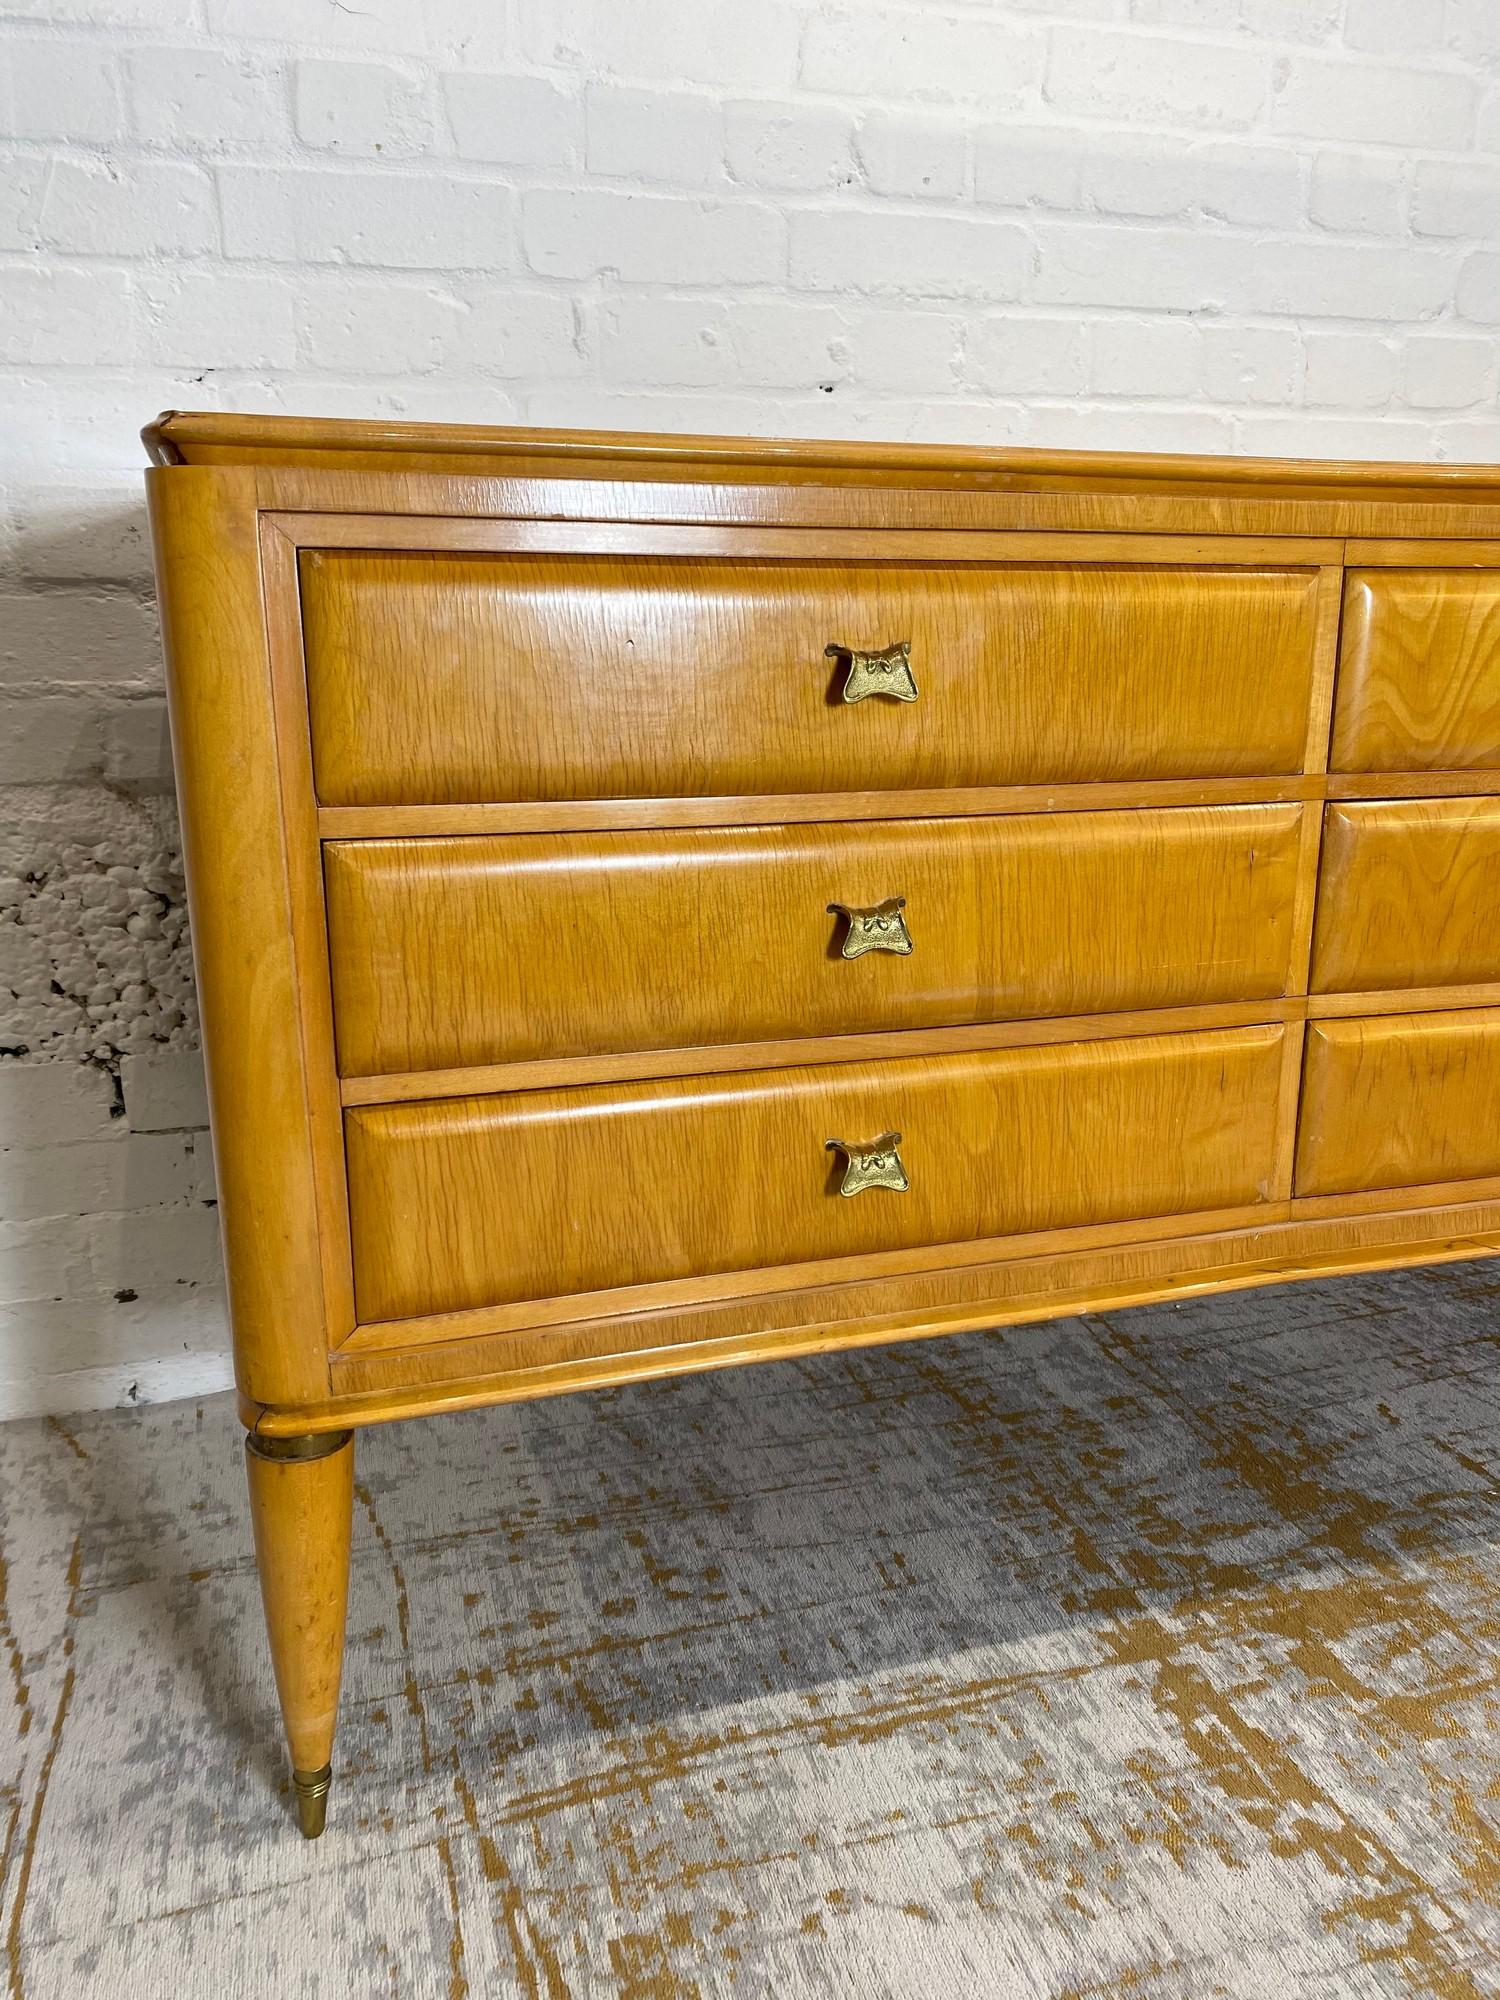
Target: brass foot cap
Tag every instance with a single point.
(311, 1788)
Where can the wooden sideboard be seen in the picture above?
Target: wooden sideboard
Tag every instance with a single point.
(662, 903)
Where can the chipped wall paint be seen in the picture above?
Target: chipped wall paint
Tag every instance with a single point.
(93, 930)
(110, 1286)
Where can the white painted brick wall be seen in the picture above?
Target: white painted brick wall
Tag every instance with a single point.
(1236, 225)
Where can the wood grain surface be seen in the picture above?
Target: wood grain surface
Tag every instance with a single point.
(255, 934)
(822, 492)
(302, 1515)
(634, 1065)
(788, 808)
(377, 1387)
(1419, 679)
(179, 437)
(524, 487)
(472, 1202)
(1399, 1101)
(484, 950)
(1409, 895)
(438, 679)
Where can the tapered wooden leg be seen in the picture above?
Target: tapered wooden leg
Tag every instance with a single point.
(302, 1505)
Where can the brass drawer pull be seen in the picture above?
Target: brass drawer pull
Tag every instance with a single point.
(880, 928)
(876, 1165)
(886, 672)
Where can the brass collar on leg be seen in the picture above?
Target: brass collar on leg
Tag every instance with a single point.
(305, 1446)
(311, 1788)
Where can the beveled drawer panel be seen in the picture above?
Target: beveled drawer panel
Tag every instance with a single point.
(1399, 1101)
(1408, 895)
(444, 679)
(481, 1201)
(1419, 673)
(492, 949)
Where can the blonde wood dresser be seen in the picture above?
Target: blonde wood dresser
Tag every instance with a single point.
(667, 902)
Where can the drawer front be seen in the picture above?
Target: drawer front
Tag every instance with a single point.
(1400, 1101)
(1419, 676)
(1408, 895)
(483, 1201)
(480, 949)
(439, 679)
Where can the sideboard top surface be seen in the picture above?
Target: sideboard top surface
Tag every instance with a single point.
(182, 437)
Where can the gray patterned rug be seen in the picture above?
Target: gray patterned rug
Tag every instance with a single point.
(1151, 1656)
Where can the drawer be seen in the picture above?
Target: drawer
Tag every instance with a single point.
(1400, 1101)
(442, 679)
(1419, 675)
(492, 949)
(482, 1201)
(1408, 894)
